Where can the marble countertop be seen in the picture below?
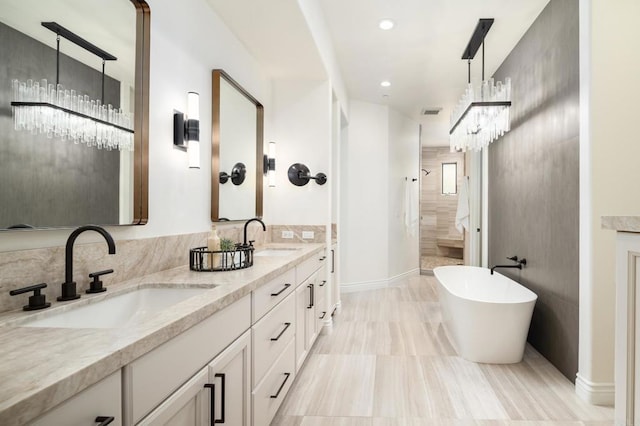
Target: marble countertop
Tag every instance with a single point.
(621, 223)
(42, 367)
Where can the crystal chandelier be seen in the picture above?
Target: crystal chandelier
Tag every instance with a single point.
(483, 113)
(45, 108)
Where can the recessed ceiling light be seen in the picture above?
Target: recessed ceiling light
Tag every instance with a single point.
(386, 24)
(385, 83)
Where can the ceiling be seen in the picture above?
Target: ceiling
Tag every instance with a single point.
(420, 56)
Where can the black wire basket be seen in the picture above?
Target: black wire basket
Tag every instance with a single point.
(203, 260)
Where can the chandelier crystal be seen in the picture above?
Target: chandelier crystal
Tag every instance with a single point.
(481, 116)
(42, 108)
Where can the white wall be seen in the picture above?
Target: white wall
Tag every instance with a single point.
(182, 57)
(301, 113)
(609, 156)
(404, 165)
(382, 148)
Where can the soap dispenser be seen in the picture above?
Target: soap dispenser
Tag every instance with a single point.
(213, 244)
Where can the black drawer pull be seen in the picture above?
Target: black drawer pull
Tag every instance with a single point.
(286, 286)
(322, 258)
(310, 287)
(324, 314)
(286, 325)
(333, 261)
(323, 283)
(281, 386)
(104, 420)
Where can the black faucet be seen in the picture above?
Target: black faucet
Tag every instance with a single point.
(519, 265)
(264, 228)
(69, 286)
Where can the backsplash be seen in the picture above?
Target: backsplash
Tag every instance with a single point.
(319, 233)
(133, 258)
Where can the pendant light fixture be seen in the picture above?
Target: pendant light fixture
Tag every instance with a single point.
(483, 113)
(46, 108)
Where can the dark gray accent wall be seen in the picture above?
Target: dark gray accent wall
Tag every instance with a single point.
(49, 182)
(534, 179)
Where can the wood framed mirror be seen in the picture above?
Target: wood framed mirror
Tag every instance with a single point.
(236, 151)
(48, 180)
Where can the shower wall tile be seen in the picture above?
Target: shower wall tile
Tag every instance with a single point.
(437, 211)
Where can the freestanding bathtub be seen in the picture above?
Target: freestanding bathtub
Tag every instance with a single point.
(486, 316)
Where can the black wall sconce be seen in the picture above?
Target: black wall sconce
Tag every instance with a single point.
(238, 173)
(299, 175)
(269, 165)
(186, 133)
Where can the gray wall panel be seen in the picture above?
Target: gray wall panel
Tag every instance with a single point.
(534, 179)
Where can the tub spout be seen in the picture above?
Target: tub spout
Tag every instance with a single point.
(519, 265)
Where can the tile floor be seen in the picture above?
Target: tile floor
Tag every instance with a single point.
(427, 263)
(388, 362)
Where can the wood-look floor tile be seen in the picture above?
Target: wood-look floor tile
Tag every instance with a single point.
(355, 338)
(400, 389)
(469, 392)
(314, 394)
(419, 338)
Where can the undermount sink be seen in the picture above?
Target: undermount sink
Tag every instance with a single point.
(118, 311)
(275, 252)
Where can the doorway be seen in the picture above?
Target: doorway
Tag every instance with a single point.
(442, 174)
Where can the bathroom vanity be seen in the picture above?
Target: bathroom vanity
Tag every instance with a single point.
(627, 346)
(229, 351)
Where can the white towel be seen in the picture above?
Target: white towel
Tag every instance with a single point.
(462, 215)
(410, 208)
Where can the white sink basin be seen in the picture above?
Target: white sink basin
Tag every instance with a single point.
(118, 311)
(275, 252)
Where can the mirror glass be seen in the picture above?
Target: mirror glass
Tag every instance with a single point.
(237, 166)
(449, 178)
(56, 179)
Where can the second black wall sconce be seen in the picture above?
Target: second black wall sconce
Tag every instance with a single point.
(299, 175)
(238, 173)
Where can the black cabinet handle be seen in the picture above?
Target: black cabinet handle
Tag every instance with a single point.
(333, 261)
(310, 287)
(212, 401)
(286, 286)
(324, 314)
(322, 258)
(281, 386)
(286, 325)
(222, 398)
(104, 420)
(323, 283)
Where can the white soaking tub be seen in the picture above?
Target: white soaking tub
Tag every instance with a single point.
(486, 316)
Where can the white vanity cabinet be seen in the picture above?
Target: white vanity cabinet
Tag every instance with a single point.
(103, 399)
(220, 393)
(157, 375)
(310, 299)
(273, 334)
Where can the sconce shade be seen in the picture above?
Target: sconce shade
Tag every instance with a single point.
(299, 175)
(186, 133)
(269, 165)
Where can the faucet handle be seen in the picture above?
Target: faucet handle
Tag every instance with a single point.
(37, 301)
(514, 258)
(96, 284)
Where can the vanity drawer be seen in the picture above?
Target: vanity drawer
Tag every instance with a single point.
(309, 266)
(272, 293)
(271, 335)
(157, 374)
(269, 394)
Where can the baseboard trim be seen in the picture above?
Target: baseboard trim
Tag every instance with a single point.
(377, 284)
(595, 393)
